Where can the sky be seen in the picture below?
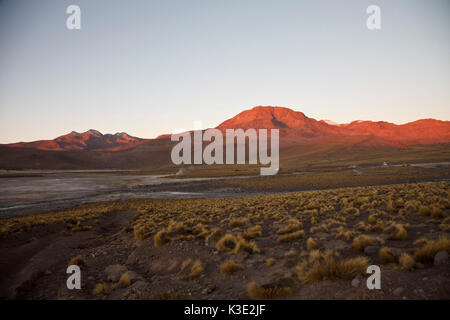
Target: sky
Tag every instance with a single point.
(151, 67)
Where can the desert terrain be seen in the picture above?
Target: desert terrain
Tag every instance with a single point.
(139, 227)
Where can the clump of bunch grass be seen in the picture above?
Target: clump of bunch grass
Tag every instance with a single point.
(386, 255)
(231, 244)
(252, 232)
(102, 288)
(78, 260)
(406, 262)
(429, 250)
(331, 266)
(291, 236)
(311, 244)
(267, 292)
(190, 269)
(359, 243)
(229, 267)
(293, 225)
(399, 233)
(125, 280)
(270, 262)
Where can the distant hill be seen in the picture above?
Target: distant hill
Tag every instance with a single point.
(89, 140)
(303, 141)
(296, 128)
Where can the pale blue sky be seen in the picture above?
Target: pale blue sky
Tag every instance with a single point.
(148, 67)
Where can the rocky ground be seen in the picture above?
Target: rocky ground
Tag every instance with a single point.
(120, 261)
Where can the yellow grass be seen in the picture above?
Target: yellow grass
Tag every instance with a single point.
(258, 292)
(429, 250)
(406, 262)
(229, 267)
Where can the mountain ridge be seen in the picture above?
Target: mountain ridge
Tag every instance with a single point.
(295, 129)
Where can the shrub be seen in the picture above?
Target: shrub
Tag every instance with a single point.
(237, 222)
(406, 261)
(311, 244)
(331, 266)
(400, 233)
(291, 236)
(386, 255)
(429, 250)
(190, 269)
(227, 243)
(125, 280)
(161, 238)
(270, 262)
(294, 225)
(252, 232)
(363, 241)
(229, 267)
(78, 260)
(102, 288)
(258, 292)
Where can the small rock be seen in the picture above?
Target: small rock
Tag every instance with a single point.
(134, 276)
(114, 272)
(425, 279)
(371, 250)
(209, 289)
(47, 272)
(336, 245)
(440, 258)
(397, 252)
(398, 291)
(355, 282)
(418, 291)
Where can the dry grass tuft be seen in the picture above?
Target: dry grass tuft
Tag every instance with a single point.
(267, 292)
(386, 255)
(227, 243)
(125, 280)
(400, 233)
(102, 288)
(78, 260)
(291, 236)
(190, 269)
(229, 267)
(363, 241)
(311, 244)
(429, 250)
(252, 232)
(406, 262)
(294, 225)
(161, 238)
(270, 262)
(331, 266)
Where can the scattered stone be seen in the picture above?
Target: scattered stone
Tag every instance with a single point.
(398, 291)
(47, 272)
(355, 282)
(134, 276)
(371, 250)
(114, 272)
(396, 252)
(209, 289)
(440, 258)
(425, 279)
(418, 291)
(336, 245)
